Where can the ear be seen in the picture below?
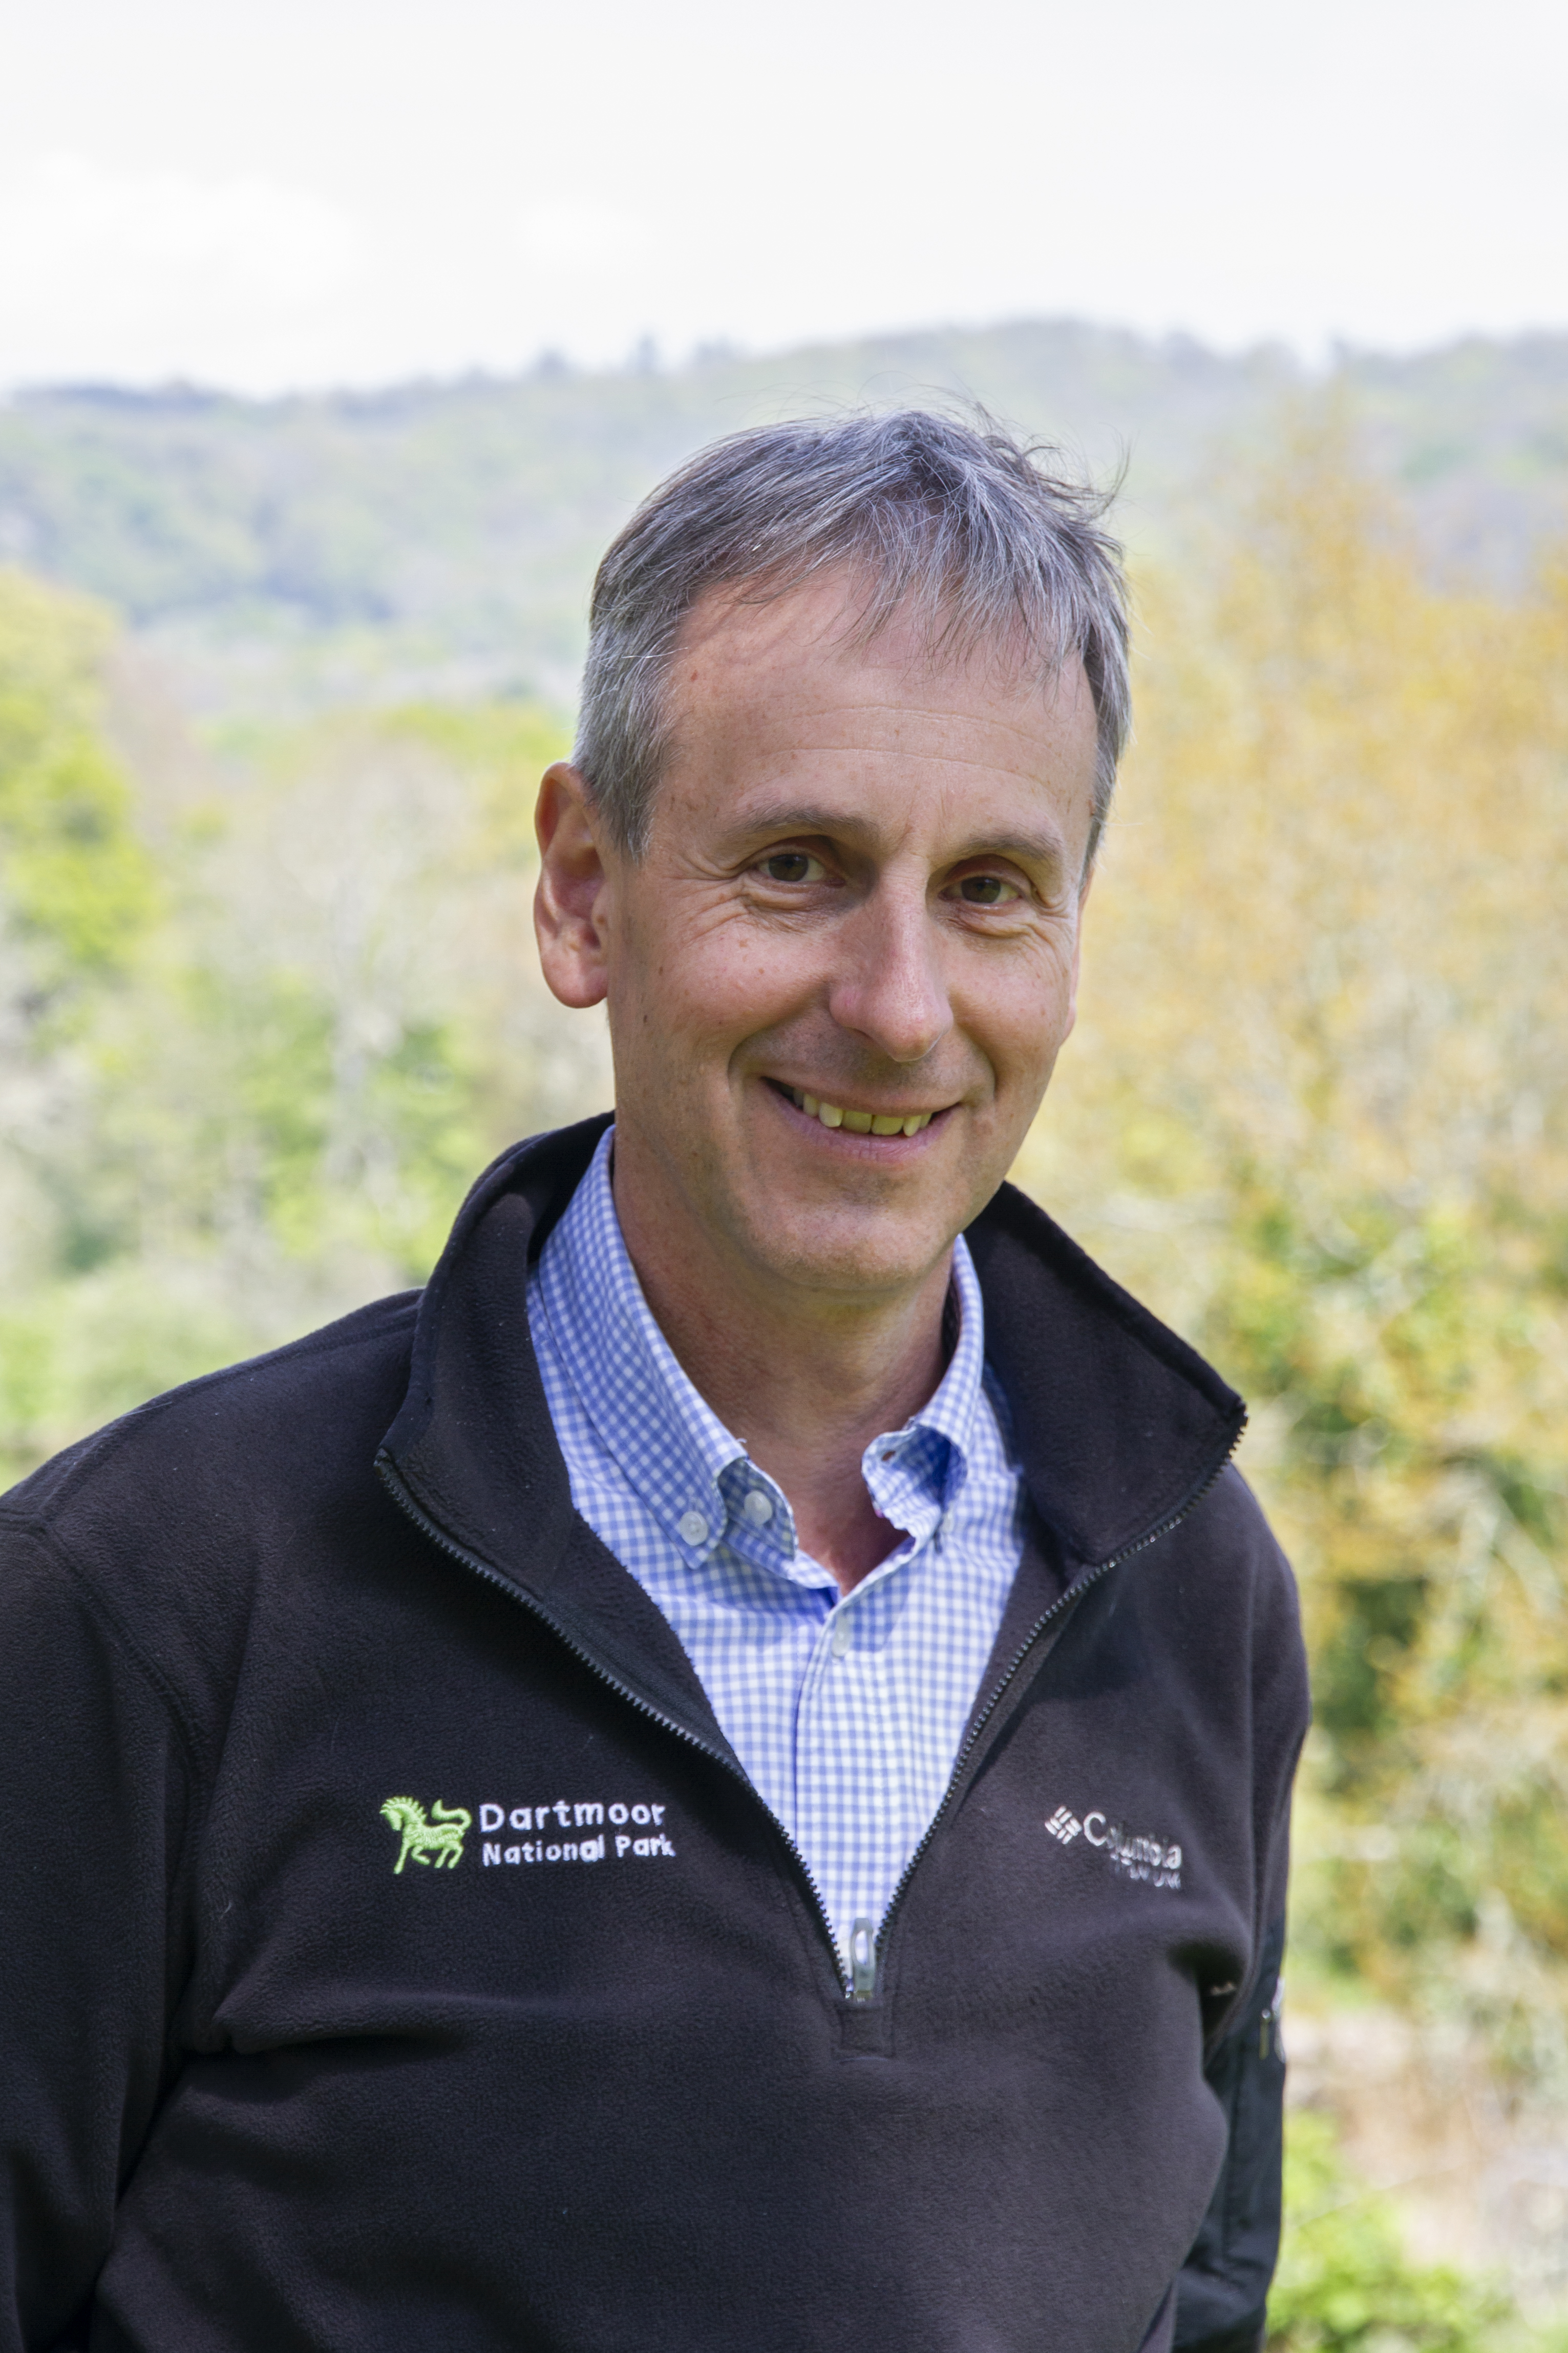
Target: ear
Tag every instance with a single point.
(571, 904)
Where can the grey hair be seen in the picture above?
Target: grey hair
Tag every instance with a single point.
(970, 528)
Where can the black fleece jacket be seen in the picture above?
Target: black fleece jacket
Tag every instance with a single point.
(394, 1955)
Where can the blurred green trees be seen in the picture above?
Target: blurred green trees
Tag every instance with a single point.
(1318, 1109)
(263, 1020)
(1345, 2283)
(264, 1013)
(79, 884)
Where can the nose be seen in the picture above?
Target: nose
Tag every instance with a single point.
(889, 987)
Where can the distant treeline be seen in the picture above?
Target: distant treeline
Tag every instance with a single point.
(268, 1002)
(440, 537)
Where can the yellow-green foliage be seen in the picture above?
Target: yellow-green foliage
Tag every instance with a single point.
(76, 880)
(1345, 2283)
(329, 1026)
(503, 748)
(1317, 1113)
(1317, 1110)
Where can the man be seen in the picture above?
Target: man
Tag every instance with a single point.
(718, 1777)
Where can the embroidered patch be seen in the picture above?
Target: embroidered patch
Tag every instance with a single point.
(435, 1837)
(1136, 1854)
(559, 1814)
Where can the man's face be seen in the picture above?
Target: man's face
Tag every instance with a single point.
(861, 896)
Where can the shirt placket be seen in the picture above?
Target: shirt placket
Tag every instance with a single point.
(849, 1794)
(830, 1712)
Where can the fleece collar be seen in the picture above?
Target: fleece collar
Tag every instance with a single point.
(1120, 1425)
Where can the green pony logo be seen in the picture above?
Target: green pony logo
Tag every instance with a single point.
(434, 1837)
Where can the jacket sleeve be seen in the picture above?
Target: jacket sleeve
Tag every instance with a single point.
(93, 1806)
(1222, 2292)
(1223, 2289)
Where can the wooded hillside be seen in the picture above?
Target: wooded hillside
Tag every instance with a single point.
(438, 538)
(269, 999)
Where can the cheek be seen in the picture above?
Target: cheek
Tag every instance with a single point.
(1018, 1012)
(694, 979)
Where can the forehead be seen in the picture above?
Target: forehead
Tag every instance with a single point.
(762, 684)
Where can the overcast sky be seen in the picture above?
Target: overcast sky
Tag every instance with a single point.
(349, 191)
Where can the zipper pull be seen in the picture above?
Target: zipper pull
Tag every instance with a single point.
(863, 1959)
(1269, 2042)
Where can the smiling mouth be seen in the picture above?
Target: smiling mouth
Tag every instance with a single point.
(857, 1122)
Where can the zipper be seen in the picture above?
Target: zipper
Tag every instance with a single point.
(470, 1560)
(860, 1982)
(1269, 2042)
(1064, 1602)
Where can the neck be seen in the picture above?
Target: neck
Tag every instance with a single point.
(806, 1382)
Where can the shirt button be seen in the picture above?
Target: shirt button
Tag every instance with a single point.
(693, 1527)
(842, 1638)
(757, 1507)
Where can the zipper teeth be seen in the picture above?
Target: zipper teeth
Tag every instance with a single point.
(1074, 1594)
(405, 1503)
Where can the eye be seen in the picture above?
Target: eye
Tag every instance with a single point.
(794, 866)
(987, 891)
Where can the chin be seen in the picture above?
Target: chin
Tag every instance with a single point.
(798, 1251)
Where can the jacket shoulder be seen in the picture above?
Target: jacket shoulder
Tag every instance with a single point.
(1231, 1522)
(1225, 1550)
(167, 1521)
(1224, 1569)
(262, 1398)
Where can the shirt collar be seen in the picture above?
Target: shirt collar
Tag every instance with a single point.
(914, 1475)
(671, 1447)
(669, 1443)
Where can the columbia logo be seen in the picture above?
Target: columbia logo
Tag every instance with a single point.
(1136, 1855)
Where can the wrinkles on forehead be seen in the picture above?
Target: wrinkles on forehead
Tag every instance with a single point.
(846, 610)
(756, 654)
(785, 723)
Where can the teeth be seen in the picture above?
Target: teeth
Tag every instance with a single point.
(861, 1122)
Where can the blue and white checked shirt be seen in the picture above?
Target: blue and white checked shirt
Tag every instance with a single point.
(846, 1714)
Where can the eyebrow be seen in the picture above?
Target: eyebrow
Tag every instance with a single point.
(797, 817)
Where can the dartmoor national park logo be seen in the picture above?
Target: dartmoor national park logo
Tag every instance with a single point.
(618, 1831)
(434, 1837)
(623, 1832)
